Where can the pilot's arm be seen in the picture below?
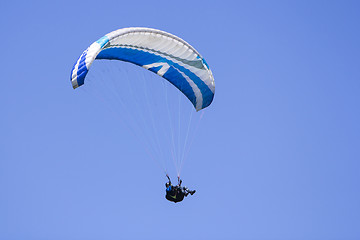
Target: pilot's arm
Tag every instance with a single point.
(168, 178)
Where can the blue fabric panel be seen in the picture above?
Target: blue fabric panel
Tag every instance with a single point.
(81, 77)
(102, 41)
(142, 58)
(155, 69)
(82, 69)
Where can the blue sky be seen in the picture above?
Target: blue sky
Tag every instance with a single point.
(276, 155)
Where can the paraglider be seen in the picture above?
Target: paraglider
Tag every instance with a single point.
(176, 193)
(162, 53)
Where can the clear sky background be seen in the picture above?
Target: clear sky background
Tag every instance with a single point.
(277, 154)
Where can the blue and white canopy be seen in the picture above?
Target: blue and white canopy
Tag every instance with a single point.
(160, 52)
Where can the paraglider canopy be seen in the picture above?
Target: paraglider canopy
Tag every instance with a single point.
(160, 52)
